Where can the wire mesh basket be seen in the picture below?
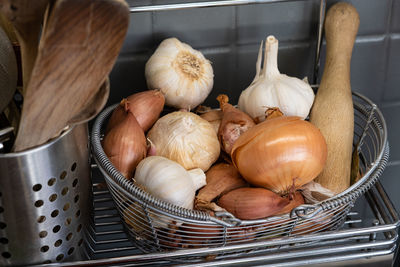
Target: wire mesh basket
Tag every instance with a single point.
(158, 226)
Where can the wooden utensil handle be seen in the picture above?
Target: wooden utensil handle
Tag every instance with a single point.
(341, 26)
(332, 111)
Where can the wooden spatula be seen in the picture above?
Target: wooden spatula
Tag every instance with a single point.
(94, 106)
(77, 50)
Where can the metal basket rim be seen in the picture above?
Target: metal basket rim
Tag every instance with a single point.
(128, 187)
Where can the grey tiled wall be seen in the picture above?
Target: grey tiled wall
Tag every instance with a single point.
(230, 36)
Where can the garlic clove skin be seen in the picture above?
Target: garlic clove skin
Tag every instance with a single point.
(270, 88)
(198, 178)
(183, 74)
(169, 181)
(290, 94)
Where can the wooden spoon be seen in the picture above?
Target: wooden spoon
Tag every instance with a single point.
(94, 106)
(26, 17)
(78, 49)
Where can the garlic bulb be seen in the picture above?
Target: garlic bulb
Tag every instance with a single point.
(183, 74)
(169, 181)
(270, 88)
(186, 138)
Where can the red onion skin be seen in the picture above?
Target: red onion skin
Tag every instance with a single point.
(125, 145)
(146, 106)
(252, 203)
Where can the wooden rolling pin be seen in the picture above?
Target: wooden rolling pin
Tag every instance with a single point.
(333, 111)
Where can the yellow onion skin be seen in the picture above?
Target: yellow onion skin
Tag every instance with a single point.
(280, 154)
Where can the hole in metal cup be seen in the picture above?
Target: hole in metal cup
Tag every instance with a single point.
(53, 197)
(63, 175)
(80, 242)
(37, 187)
(58, 243)
(64, 191)
(78, 213)
(79, 228)
(60, 257)
(44, 249)
(41, 219)
(74, 183)
(71, 250)
(3, 240)
(39, 203)
(56, 229)
(66, 207)
(76, 199)
(54, 213)
(43, 234)
(1, 209)
(69, 236)
(51, 181)
(68, 221)
(73, 167)
(3, 225)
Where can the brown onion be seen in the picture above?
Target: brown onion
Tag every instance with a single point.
(280, 154)
(295, 200)
(234, 122)
(146, 106)
(125, 144)
(252, 203)
(221, 178)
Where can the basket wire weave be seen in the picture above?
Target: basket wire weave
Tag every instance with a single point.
(158, 226)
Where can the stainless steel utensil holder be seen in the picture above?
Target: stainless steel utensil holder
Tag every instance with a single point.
(44, 201)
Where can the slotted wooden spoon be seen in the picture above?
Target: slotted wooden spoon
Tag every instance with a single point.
(78, 48)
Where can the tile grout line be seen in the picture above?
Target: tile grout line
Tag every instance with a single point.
(393, 163)
(386, 47)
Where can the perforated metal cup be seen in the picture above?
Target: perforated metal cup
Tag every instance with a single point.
(44, 201)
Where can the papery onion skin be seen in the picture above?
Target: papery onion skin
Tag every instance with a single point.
(295, 200)
(221, 178)
(234, 122)
(214, 117)
(252, 203)
(185, 138)
(280, 154)
(146, 106)
(125, 145)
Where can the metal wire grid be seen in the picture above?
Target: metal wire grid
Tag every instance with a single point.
(109, 244)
